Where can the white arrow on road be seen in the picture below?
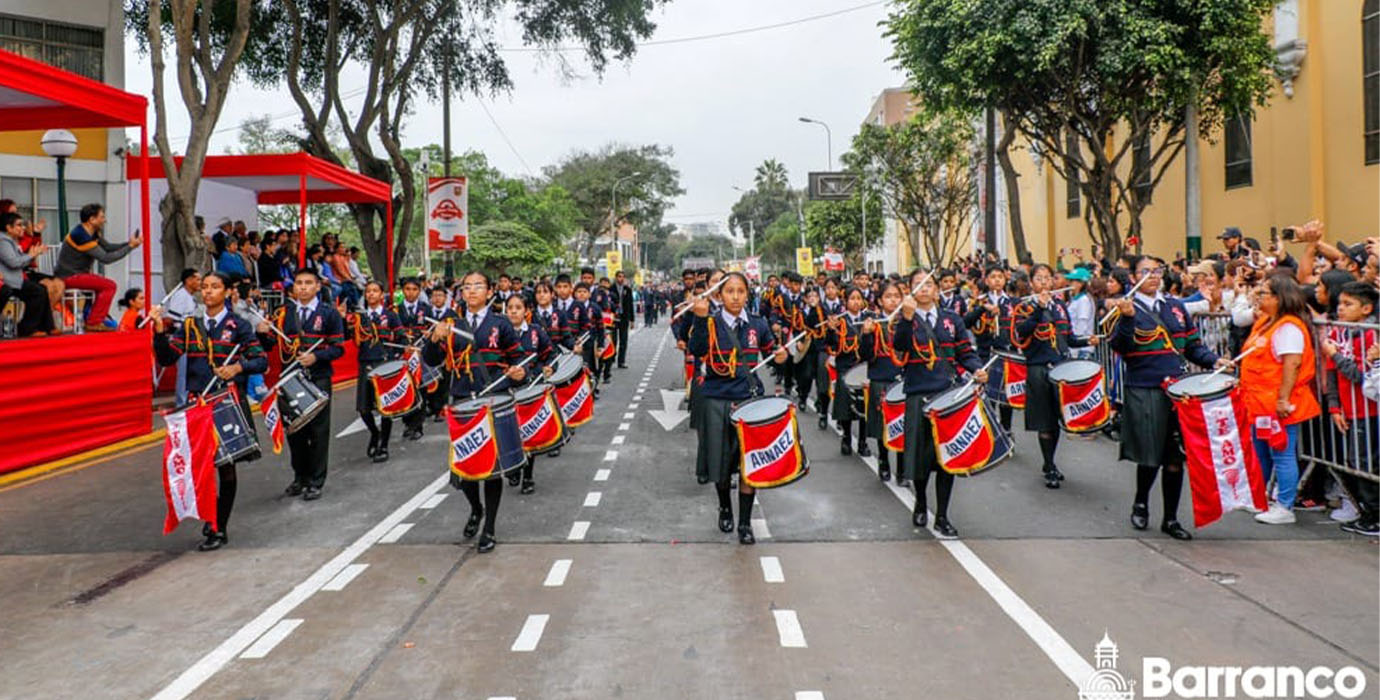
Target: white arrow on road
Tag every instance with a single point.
(671, 416)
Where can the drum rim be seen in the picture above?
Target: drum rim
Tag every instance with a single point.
(733, 415)
(556, 377)
(1066, 363)
(1231, 379)
(898, 386)
(525, 394)
(496, 401)
(388, 367)
(931, 407)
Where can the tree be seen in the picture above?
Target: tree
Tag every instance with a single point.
(769, 198)
(771, 176)
(923, 170)
(258, 135)
(1073, 74)
(839, 225)
(778, 242)
(644, 175)
(205, 60)
(1013, 187)
(508, 246)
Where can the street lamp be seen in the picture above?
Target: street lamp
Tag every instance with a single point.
(829, 138)
(752, 233)
(424, 164)
(60, 144)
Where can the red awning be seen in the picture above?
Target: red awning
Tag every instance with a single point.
(278, 178)
(35, 95)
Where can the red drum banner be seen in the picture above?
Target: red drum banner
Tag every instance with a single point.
(1083, 405)
(538, 423)
(273, 420)
(1222, 469)
(608, 350)
(1014, 380)
(473, 449)
(833, 378)
(965, 441)
(576, 401)
(394, 394)
(771, 452)
(894, 424)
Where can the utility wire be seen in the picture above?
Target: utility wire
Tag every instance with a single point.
(506, 140)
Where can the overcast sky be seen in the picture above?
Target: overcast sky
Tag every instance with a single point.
(724, 104)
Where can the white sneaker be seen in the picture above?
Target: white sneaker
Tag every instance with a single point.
(1346, 513)
(1276, 515)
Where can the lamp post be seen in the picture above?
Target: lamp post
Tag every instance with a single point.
(613, 220)
(60, 144)
(752, 232)
(828, 137)
(424, 162)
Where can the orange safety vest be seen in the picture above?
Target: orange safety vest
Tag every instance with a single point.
(1262, 374)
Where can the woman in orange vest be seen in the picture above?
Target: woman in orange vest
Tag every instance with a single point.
(1276, 382)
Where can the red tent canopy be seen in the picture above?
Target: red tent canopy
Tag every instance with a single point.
(293, 178)
(62, 395)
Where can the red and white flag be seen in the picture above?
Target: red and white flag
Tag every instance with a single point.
(189, 466)
(1222, 468)
(273, 420)
(576, 400)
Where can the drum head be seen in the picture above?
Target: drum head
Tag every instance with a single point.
(1010, 356)
(952, 398)
(831, 361)
(530, 393)
(567, 368)
(856, 377)
(388, 368)
(1072, 371)
(897, 393)
(762, 409)
(472, 406)
(1201, 384)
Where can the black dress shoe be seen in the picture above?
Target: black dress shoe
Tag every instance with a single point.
(901, 481)
(1057, 474)
(622, 366)
(214, 541)
(920, 517)
(486, 543)
(311, 493)
(294, 489)
(845, 447)
(1175, 530)
(1051, 479)
(381, 455)
(472, 525)
(945, 530)
(206, 530)
(745, 535)
(373, 446)
(726, 520)
(528, 486)
(884, 471)
(864, 450)
(1140, 516)
(437, 418)
(515, 478)
(823, 422)
(557, 453)
(702, 479)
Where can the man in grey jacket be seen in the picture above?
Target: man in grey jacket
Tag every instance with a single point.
(84, 246)
(37, 319)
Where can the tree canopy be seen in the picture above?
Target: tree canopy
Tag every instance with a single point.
(646, 180)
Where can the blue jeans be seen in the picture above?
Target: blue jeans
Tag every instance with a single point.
(1284, 464)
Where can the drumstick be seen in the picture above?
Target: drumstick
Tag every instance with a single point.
(498, 381)
(1234, 360)
(1060, 290)
(913, 292)
(145, 312)
(272, 327)
(291, 365)
(578, 341)
(788, 344)
(972, 378)
(463, 334)
(705, 293)
(1116, 311)
(226, 361)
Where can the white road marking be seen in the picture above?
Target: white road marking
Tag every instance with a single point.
(771, 570)
(531, 633)
(601, 475)
(271, 638)
(578, 530)
(642, 385)
(629, 416)
(351, 429)
(1073, 665)
(396, 533)
(788, 627)
(624, 426)
(434, 501)
(208, 665)
(344, 578)
(800, 695)
(559, 570)
(510, 697)
(759, 529)
(618, 439)
(592, 498)
(610, 455)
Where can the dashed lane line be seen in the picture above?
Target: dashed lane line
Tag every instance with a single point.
(618, 439)
(530, 635)
(771, 570)
(602, 475)
(624, 427)
(559, 570)
(593, 498)
(801, 695)
(788, 628)
(578, 530)
(611, 455)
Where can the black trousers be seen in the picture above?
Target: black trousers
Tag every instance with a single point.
(621, 333)
(310, 446)
(37, 314)
(805, 373)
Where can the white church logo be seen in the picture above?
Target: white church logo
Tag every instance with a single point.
(1106, 683)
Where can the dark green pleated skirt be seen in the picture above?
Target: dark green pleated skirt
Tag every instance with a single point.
(716, 456)
(876, 391)
(919, 457)
(1150, 428)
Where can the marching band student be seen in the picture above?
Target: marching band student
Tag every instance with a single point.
(884, 364)
(922, 337)
(494, 352)
(599, 302)
(411, 313)
(730, 342)
(545, 315)
(304, 323)
(951, 294)
(371, 329)
(784, 322)
(692, 370)
(440, 309)
(533, 341)
(843, 344)
(586, 318)
(1040, 328)
(830, 306)
(1151, 333)
(206, 343)
(990, 323)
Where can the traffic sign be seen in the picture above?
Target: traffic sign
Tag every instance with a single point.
(832, 186)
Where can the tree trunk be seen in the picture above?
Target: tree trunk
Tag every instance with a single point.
(1013, 191)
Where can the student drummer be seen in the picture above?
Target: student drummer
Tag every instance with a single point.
(376, 330)
(534, 342)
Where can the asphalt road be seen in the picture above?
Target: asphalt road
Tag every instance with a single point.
(612, 580)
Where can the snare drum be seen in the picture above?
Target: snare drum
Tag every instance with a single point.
(299, 400)
(573, 392)
(965, 441)
(1010, 377)
(856, 381)
(539, 419)
(1082, 395)
(1203, 385)
(894, 417)
(485, 441)
(238, 443)
(394, 393)
(769, 446)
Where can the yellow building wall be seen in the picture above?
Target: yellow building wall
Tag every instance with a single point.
(91, 143)
(1307, 161)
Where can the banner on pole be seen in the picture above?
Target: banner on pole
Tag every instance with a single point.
(805, 261)
(615, 261)
(752, 267)
(447, 206)
(833, 261)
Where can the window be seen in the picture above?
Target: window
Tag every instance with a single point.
(1140, 164)
(1238, 148)
(1071, 182)
(80, 50)
(1370, 77)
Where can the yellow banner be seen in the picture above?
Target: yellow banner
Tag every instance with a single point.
(805, 261)
(637, 278)
(615, 261)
